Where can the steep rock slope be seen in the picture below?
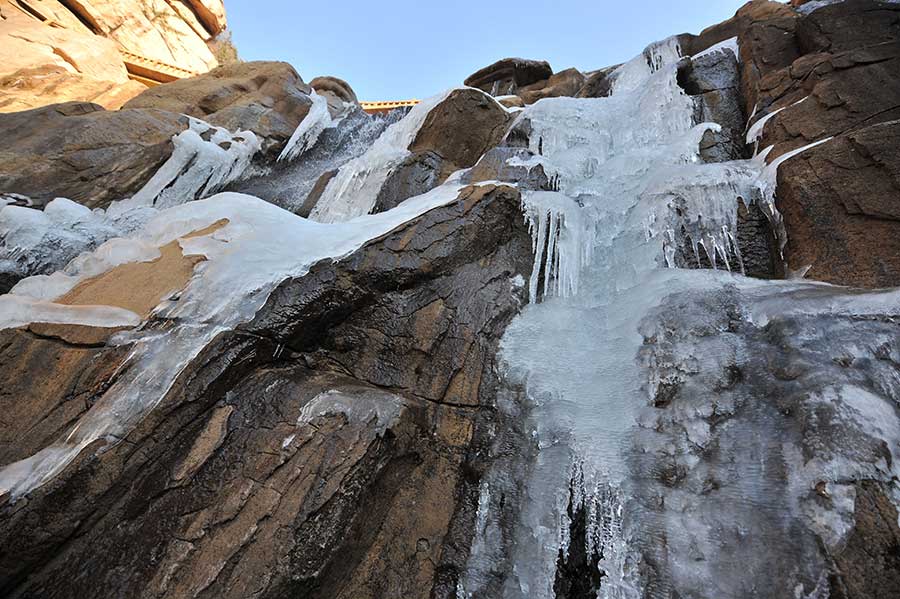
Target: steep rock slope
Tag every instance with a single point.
(533, 352)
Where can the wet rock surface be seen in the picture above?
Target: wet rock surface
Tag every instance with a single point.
(380, 367)
(82, 152)
(795, 395)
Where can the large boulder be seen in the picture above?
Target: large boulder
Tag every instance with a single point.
(454, 135)
(564, 83)
(268, 98)
(462, 127)
(755, 11)
(506, 76)
(83, 152)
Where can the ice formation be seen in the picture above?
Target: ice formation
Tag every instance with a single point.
(288, 182)
(632, 192)
(354, 190)
(259, 247)
(198, 166)
(205, 158)
(311, 127)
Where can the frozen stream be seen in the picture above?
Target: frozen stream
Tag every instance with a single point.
(631, 191)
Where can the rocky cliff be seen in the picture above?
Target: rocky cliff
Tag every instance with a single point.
(101, 52)
(626, 333)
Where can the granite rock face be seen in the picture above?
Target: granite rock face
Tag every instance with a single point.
(268, 98)
(351, 484)
(100, 51)
(835, 76)
(83, 152)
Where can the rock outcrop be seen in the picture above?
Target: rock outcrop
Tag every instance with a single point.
(83, 152)
(337, 91)
(360, 469)
(101, 51)
(506, 76)
(41, 65)
(835, 77)
(529, 80)
(268, 98)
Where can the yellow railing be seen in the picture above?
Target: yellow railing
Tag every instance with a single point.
(372, 107)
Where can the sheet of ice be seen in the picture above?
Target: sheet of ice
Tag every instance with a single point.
(730, 45)
(354, 190)
(17, 311)
(635, 72)
(310, 128)
(246, 259)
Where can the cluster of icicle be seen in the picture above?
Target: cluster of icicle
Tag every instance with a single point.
(561, 240)
(199, 167)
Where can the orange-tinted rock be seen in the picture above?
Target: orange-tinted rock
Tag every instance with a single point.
(41, 65)
(268, 98)
(564, 83)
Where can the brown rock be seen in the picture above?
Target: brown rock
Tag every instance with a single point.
(337, 91)
(462, 127)
(153, 29)
(868, 566)
(841, 207)
(454, 135)
(564, 83)
(79, 150)
(506, 76)
(839, 198)
(755, 11)
(268, 98)
(83, 152)
(41, 65)
(597, 84)
(326, 450)
(511, 101)
(68, 367)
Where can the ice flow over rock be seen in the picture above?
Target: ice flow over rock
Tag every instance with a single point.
(632, 190)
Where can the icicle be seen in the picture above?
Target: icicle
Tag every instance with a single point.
(561, 243)
(310, 128)
(197, 167)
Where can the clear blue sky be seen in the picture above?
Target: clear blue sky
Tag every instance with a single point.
(415, 49)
